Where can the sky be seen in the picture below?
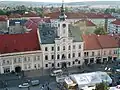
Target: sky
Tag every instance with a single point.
(57, 0)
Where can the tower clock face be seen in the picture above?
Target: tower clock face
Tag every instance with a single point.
(64, 25)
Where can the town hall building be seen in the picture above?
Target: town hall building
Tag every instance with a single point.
(61, 46)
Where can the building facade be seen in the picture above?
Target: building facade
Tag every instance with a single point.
(97, 49)
(20, 61)
(61, 46)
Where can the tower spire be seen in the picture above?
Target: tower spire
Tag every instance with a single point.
(62, 16)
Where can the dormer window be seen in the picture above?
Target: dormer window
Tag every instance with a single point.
(64, 25)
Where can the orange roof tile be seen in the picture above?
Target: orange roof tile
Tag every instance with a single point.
(93, 42)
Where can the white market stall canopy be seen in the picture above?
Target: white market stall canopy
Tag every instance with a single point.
(91, 78)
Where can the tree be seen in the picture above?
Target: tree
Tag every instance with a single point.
(107, 11)
(102, 86)
(100, 31)
(2, 12)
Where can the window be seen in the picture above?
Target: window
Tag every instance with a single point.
(52, 64)
(29, 66)
(73, 54)
(8, 62)
(14, 60)
(46, 49)
(92, 53)
(73, 46)
(38, 57)
(3, 61)
(73, 62)
(46, 57)
(104, 52)
(69, 47)
(78, 62)
(110, 52)
(63, 47)
(35, 66)
(79, 54)
(28, 58)
(25, 59)
(46, 65)
(39, 65)
(87, 54)
(79, 46)
(34, 58)
(98, 53)
(58, 64)
(58, 48)
(58, 56)
(69, 63)
(52, 56)
(115, 51)
(19, 59)
(52, 48)
(69, 55)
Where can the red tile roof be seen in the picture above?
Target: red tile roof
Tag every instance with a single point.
(19, 42)
(93, 42)
(98, 15)
(117, 22)
(55, 15)
(107, 41)
(88, 22)
(90, 42)
(34, 22)
(30, 14)
(14, 16)
(3, 18)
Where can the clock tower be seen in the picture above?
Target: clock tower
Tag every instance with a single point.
(62, 23)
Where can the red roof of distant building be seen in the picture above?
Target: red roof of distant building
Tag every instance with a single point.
(11, 43)
(98, 15)
(88, 22)
(3, 18)
(94, 42)
(30, 14)
(55, 15)
(117, 22)
(14, 16)
(34, 22)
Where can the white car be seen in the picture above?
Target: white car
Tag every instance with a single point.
(24, 85)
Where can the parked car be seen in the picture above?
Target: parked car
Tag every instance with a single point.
(35, 82)
(56, 72)
(24, 85)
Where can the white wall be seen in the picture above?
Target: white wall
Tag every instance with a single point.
(26, 60)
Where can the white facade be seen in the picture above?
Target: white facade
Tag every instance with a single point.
(20, 61)
(113, 28)
(64, 52)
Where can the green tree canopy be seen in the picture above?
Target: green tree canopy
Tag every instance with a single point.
(102, 86)
(2, 12)
(100, 31)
